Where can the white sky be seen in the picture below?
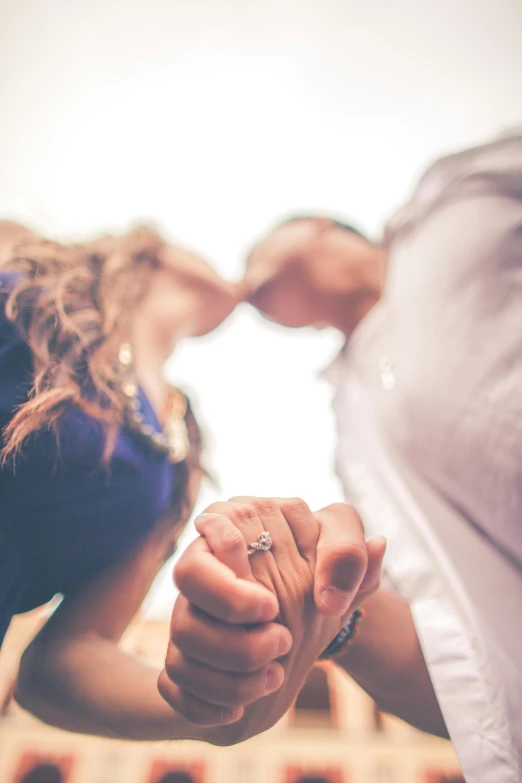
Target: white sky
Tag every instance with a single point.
(215, 118)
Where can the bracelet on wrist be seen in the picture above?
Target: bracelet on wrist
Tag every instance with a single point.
(344, 638)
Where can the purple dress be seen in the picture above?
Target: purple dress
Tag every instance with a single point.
(64, 517)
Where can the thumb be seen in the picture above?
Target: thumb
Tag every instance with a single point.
(342, 559)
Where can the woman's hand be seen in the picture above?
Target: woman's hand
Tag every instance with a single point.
(223, 665)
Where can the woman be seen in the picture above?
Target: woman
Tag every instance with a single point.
(100, 459)
(100, 469)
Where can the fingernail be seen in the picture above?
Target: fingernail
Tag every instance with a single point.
(202, 516)
(336, 601)
(266, 612)
(284, 645)
(272, 679)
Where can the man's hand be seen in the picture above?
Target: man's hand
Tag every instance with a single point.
(348, 567)
(226, 652)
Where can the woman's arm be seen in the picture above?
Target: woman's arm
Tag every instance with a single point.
(74, 676)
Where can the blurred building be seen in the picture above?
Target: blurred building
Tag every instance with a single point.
(334, 734)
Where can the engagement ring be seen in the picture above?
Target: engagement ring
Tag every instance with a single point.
(263, 544)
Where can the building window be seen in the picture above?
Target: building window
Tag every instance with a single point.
(43, 773)
(176, 772)
(313, 706)
(313, 779)
(177, 777)
(295, 774)
(40, 768)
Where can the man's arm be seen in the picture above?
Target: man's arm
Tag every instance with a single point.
(386, 659)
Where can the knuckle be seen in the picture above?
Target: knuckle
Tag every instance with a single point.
(247, 689)
(185, 627)
(184, 641)
(263, 506)
(179, 615)
(165, 689)
(232, 540)
(230, 611)
(345, 510)
(192, 711)
(248, 655)
(237, 693)
(236, 610)
(295, 505)
(172, 664)
(182, 574)
(179, 632)
(245, 514)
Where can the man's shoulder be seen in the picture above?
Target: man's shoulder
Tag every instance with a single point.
(493, 168)
(499, 160)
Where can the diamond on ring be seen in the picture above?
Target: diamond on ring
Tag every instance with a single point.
(263, 544)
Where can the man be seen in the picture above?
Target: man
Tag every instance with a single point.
(315, 271)
(429, 411)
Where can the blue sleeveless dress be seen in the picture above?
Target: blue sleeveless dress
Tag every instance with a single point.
(64, 517)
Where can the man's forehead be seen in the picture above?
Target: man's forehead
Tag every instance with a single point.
(286, 237)
(271, 254)
(294, 229)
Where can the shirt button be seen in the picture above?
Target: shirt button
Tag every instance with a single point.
(386, 368)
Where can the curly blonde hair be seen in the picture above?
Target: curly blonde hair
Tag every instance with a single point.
(73, 306)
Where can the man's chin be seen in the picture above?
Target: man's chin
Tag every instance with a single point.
(270, 305)
(284, 320)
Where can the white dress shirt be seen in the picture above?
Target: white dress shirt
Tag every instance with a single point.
(428, 399)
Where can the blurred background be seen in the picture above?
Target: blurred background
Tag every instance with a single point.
(214, 119)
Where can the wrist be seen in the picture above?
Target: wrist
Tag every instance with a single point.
(344, 638)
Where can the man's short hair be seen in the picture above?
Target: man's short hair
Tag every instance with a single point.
(339, 223)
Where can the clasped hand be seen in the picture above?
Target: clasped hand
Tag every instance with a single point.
(246, 630)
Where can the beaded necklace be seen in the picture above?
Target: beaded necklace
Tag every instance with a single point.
(173, 442)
